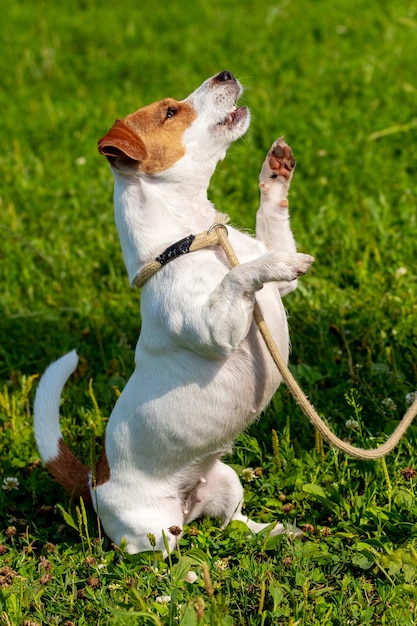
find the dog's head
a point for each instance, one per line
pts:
(198, 129)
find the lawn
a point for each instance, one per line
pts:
(339, 81)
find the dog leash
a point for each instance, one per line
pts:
(184, 246)
(218, 235)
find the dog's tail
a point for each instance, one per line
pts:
(60, 461)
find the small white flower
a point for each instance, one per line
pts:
(401, 271)
(389, 404)
(222, 564)
(9, 483)
(411, 397)
(191, 577)
(163, 599)
(248, 474)
(352, 424)
(341, 29)
(81, 160)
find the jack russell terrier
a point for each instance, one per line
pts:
(202, 372)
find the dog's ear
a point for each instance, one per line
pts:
(122, 144)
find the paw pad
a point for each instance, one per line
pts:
(281, 160)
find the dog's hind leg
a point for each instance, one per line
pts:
(142, 523)
(220, 494)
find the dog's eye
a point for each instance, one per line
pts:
(171, 111)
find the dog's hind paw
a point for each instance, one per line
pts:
(289, 529)
(278, 529)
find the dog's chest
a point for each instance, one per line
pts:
(173, 372)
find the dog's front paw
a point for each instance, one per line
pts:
(281, 159)
(302, 263)
(298, 264)
(279, 266)
(276, 174)
(279, 162)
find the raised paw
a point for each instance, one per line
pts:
(276, 174)
(282, 266)
(281, 159)
(303, 263)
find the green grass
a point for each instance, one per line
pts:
(338, 80)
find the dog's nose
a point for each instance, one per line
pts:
(225, 76)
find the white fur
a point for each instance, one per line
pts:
(46, 405)
(202, 373)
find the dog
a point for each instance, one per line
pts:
(202, 373)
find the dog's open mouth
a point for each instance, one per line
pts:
(234, 116)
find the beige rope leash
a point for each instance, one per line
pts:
(217, 234)
(188, 244)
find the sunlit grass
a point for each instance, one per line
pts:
(338, 80)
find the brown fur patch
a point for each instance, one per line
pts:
(102, 468)
(151, 137)
(121, 141)
(70, 472)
